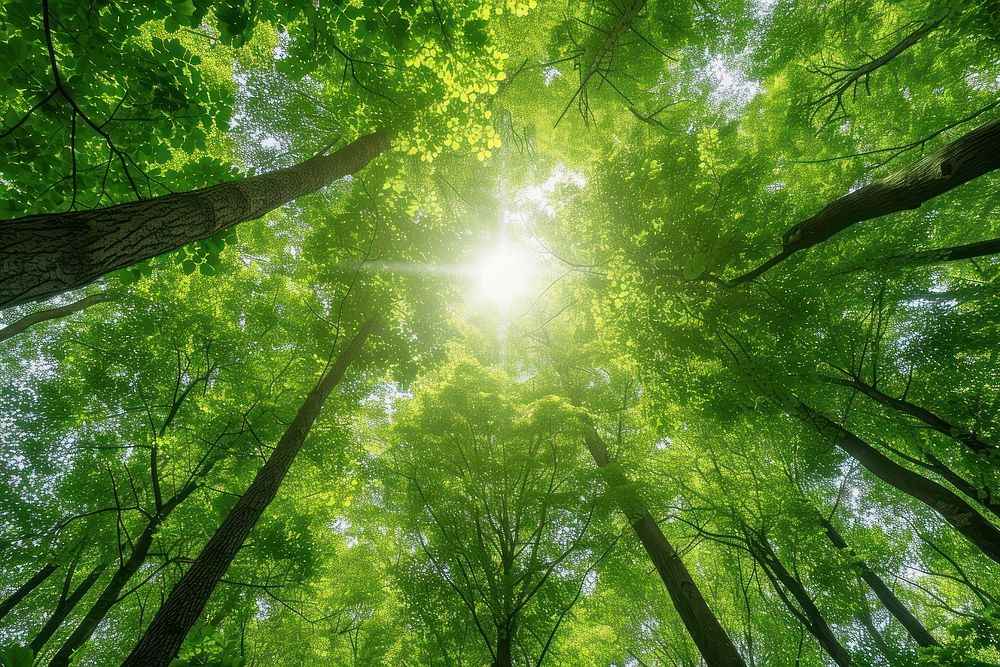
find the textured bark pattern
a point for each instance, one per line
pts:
(26, 588)
(184, 605)
(949, 505)
(964, 159)
(708, 634)
(64, 608)
(51, 314)
(885, 595)
(504, 656)
(45, 255)
(761, 550)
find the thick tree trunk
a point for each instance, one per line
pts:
(504, 656)
(702, 624)
(51, 314)
(162, 639)
(964, 159)
(962, 435)
(25, 589)
(949, 505)
(885, 595)
(66, 605)
(48, 254)
(761, 549)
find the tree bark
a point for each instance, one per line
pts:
(762, 550)
(48, 254)
(964, 159)
(504, 657)
(951, 254)
(701, 623)
(163, 638)
(964, 436)
(885, 595)
(63, 609)
(25, 589)
(963, 518)
(982, 494)
(31, 320)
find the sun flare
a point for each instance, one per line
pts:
(503, 275)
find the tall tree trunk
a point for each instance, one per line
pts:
(163, 638)
(48, 254)
(51, 314)
(762, 550)
(25, 589)
(964, 159)
(126, 570)
(702, 624)
(885, 595)
(504, 656)
(949, 505)
(63, 609)
(962, 435)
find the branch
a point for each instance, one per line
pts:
(844, 79)
(968, 157)
(60, 87)
(28, 321)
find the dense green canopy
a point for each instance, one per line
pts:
(500, 332)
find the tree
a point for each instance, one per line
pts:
(511, 541)
(688, 349)
(166, 632)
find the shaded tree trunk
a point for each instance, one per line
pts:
(65, 606)
(964, 159)
(981, 494)
(48, 254)
(941, 255)
(702, 624)
(504, 656)
(51, 314)
(764, 553)
(963, 518)
(885, 595)
(163, 638)
(126, 570)
(25, 589)
(962, 435)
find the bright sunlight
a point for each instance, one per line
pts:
(504, 274)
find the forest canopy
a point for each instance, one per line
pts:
(500, 332)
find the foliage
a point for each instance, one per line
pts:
(450, 505)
